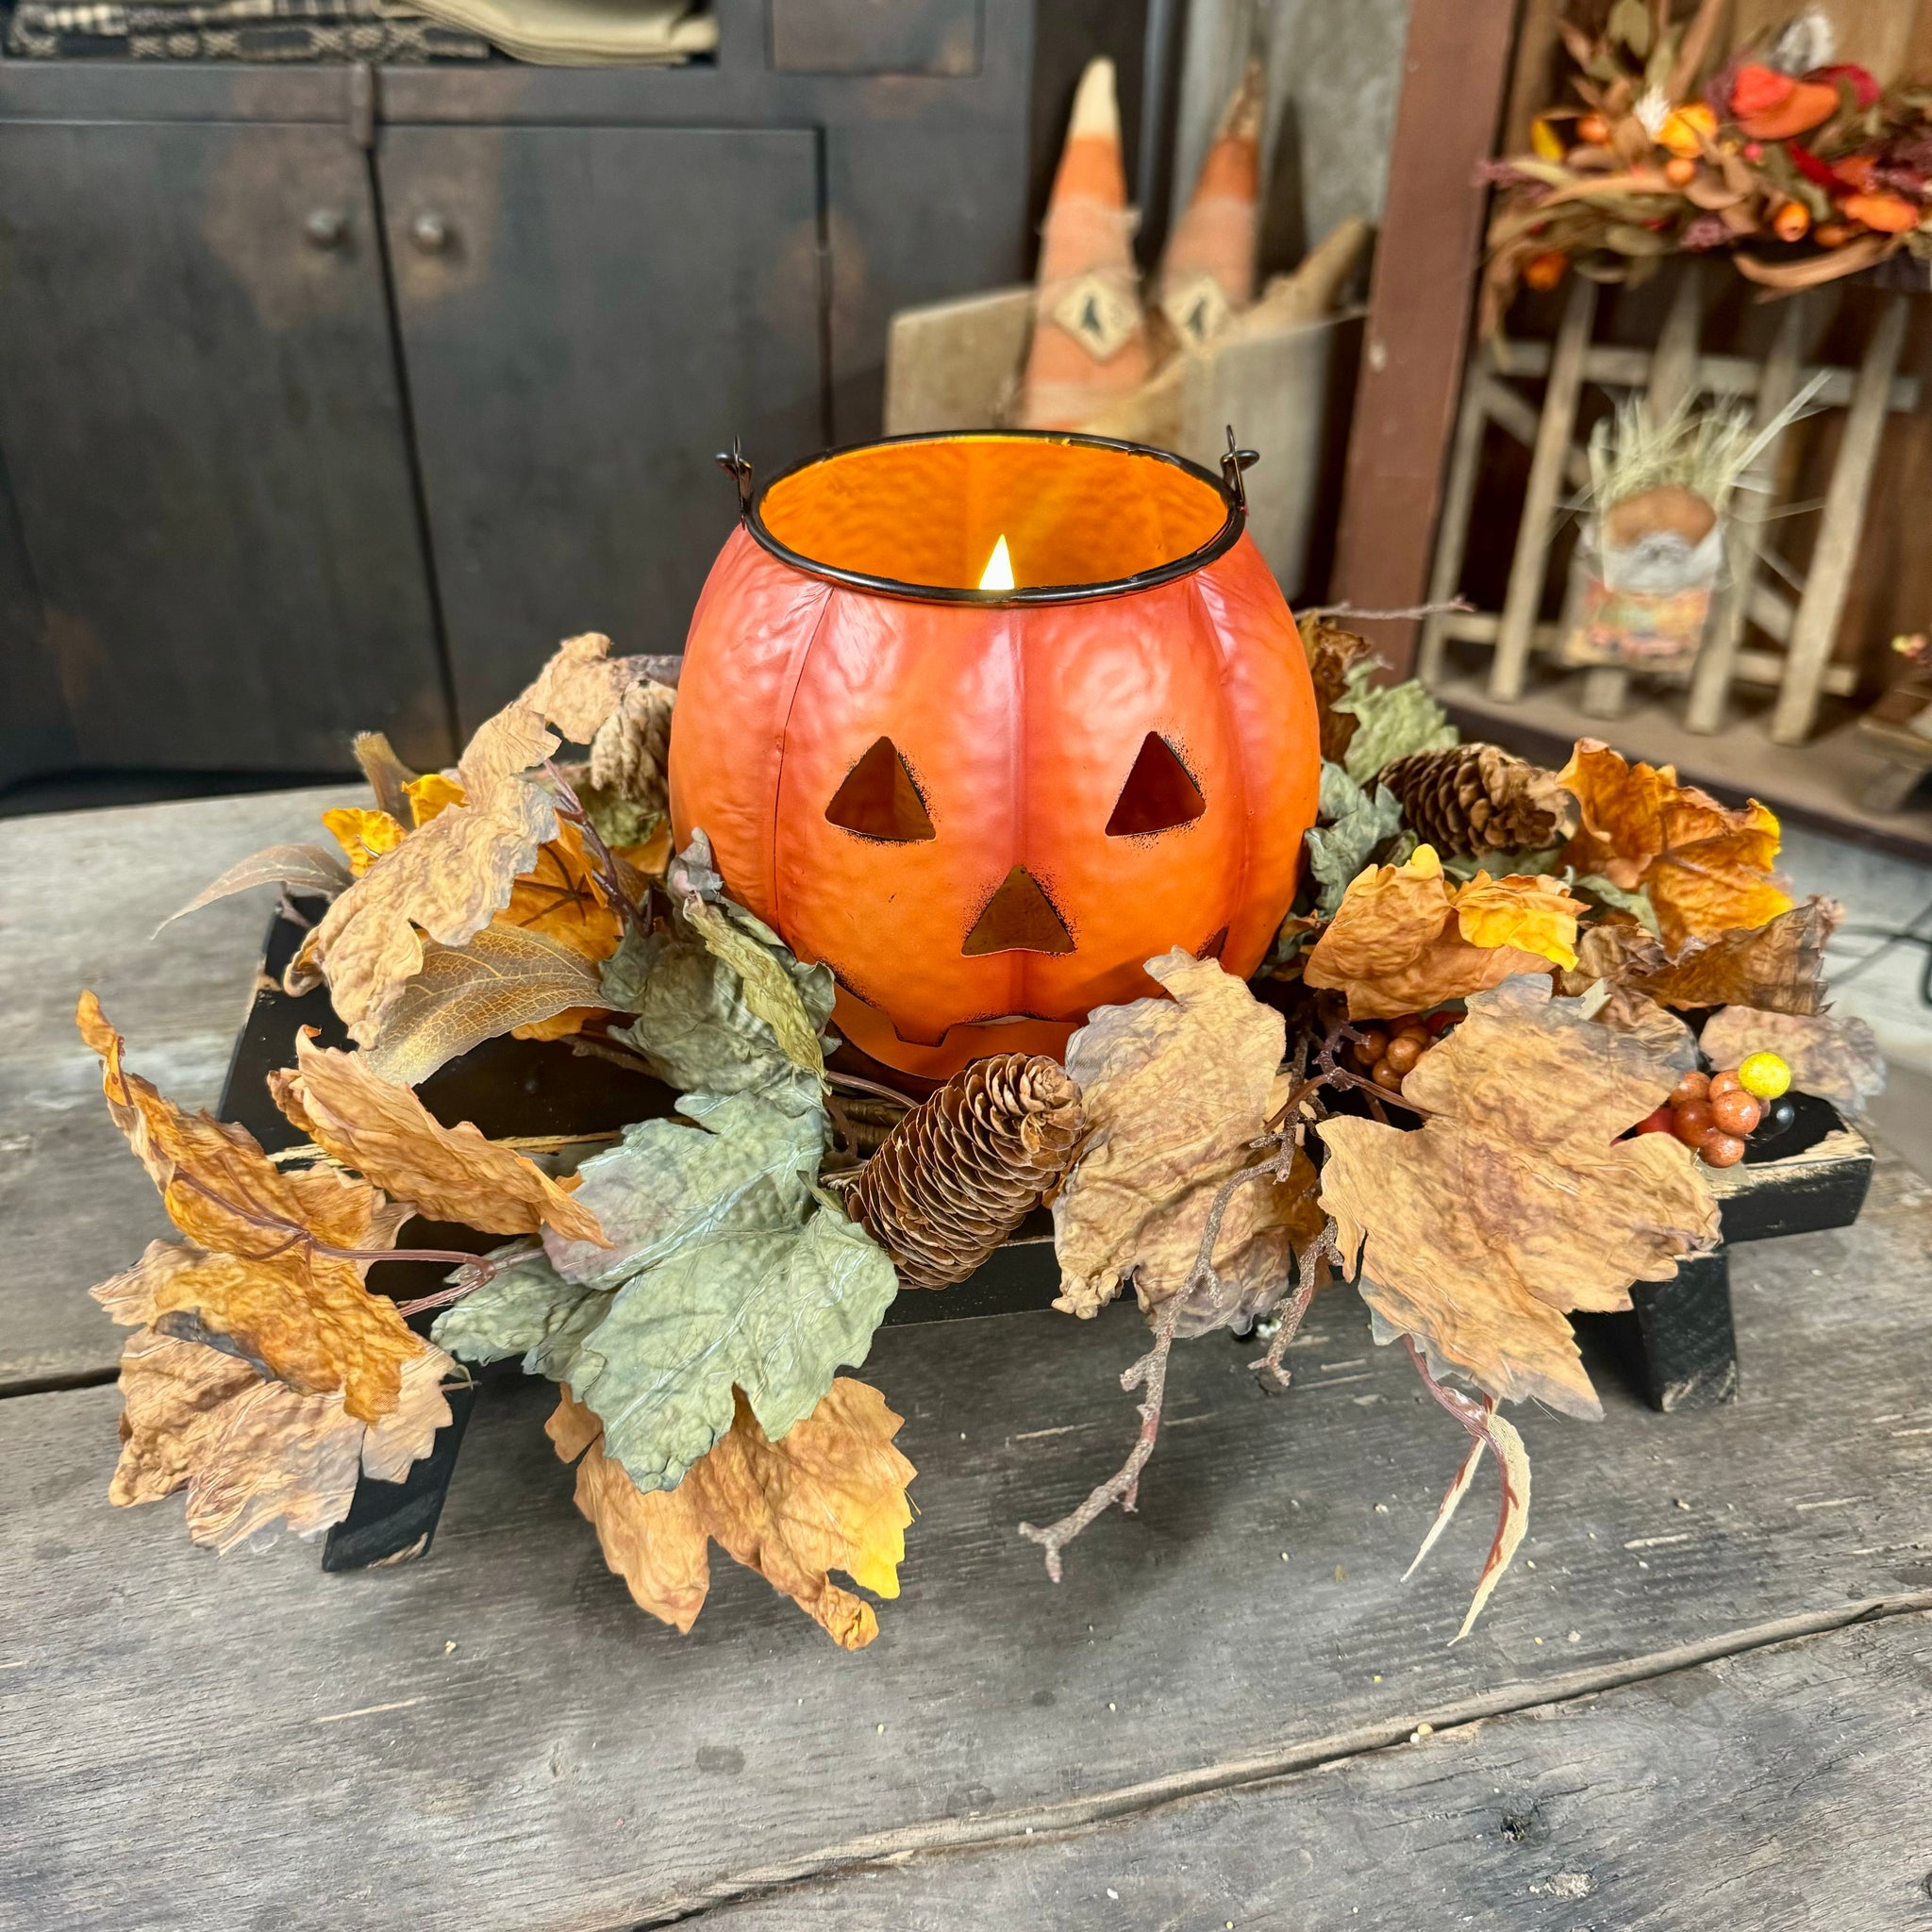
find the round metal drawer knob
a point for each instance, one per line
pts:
(430, 232)
(327, 227)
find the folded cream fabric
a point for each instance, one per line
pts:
(586, 33)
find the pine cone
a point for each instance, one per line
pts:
(1477, 798)
(627, 754)
(964, 1168)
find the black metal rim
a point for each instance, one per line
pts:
(1219, 544)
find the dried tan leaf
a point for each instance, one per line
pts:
(1488, 1430)
(388, 777)
(1515, 1200)
(581, 685)
(1836, 1059)
(449, 878)
(389, 1137)
(270, 1262)
(1332, 654)
(1706, 868)
(831, 1494)
(1778, 966)
(1406, 937)
(503, 979)
(252, 1452)
(310, 870)
(1175, 1091)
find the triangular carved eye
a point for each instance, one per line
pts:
(879, 799)
(1158, 793)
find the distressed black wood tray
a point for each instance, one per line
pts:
(1676, 1343)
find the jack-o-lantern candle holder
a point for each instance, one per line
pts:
(986, 807)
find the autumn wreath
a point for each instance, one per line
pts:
(1460, 1081)
(1798, 168)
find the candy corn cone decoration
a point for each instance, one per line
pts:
(1090, 339)
(1208, 273)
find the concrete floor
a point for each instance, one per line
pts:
(1882, 893)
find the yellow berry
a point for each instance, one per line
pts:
(1764, 1074)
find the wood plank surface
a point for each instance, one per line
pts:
(244, 1742)
(83, 894)
(1780, 1791)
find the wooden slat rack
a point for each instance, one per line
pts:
(1804, 623)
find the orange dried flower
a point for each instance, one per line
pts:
(1594, 130)
(1791, 221)
(1679, 170)
(1545, 271)
(1890, 213)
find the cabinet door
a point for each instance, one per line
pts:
(201, 418)
(589, 315)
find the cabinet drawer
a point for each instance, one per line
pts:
(936, 37)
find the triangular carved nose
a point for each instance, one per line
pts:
(1019, 918)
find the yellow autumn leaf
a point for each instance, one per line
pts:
(363, 835)
(433, 792)
(1405, 939)
(1706, 867)
(831, 1494)
(1534, 915)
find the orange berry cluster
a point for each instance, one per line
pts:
(1710, 1114)
(1388, 1054)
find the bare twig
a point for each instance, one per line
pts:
(1321, 1249)
(594, 1047)
(1445, 608)
(877, 1089)
(569, 807)
(1124, 1485)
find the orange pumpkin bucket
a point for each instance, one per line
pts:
(985, 809)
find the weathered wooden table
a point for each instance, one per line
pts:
(1701, 1697)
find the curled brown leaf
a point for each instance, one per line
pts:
(389, 1137)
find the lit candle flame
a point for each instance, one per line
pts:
(998, 574)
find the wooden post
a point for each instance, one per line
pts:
(1672, 383)
(1710, 683)
(1816, 629)
(1455, 65)
(1457, 497)
(1546, 466)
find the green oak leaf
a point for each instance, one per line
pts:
(703, 1007)
(1358, 822)
(530, 1310)
(1389, 724)
(728, 1268)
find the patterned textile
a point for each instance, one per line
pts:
(255, 30)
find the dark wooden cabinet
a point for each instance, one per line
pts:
(589, 315)
(333, 398)
(205, 437)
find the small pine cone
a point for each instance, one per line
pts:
(1477, 799)
(628, 752)
(964, 1168)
